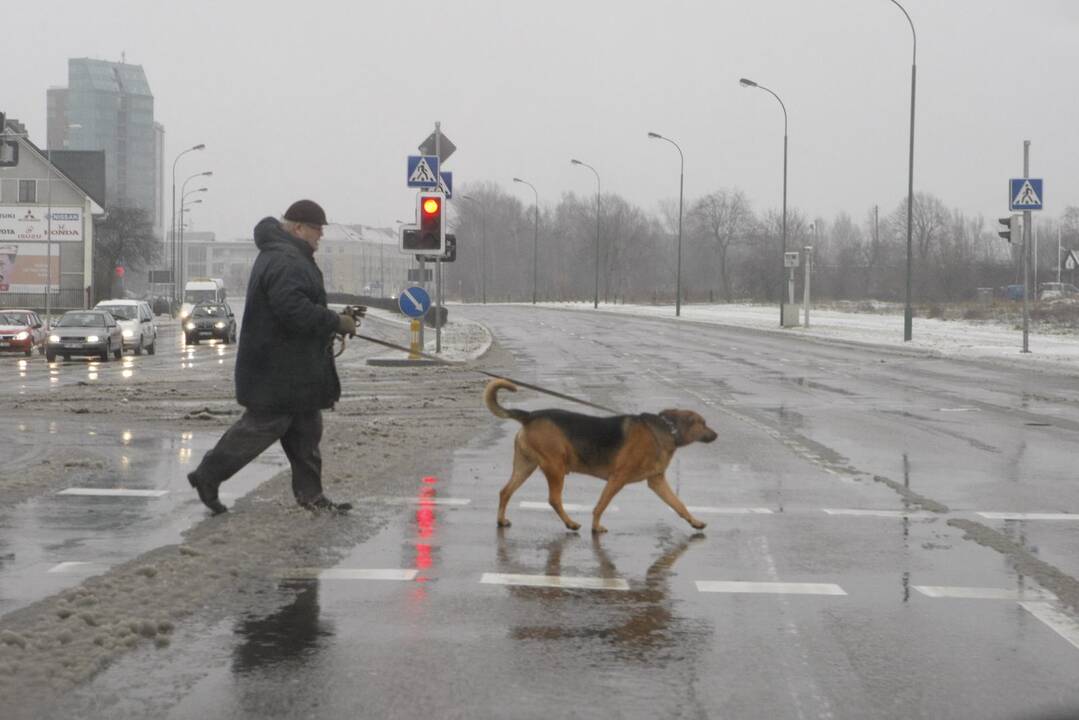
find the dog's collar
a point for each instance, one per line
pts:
(671, 427)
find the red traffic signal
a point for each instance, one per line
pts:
(119, 271)
(430, 236)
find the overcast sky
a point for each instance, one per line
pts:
(326, 99)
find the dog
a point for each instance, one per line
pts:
(620, 449)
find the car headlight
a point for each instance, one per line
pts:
(22, 336)
(128, 333)
(54, 338)
(190, 326)
(219, 325)
(92, 338)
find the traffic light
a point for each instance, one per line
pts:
(431, 233)
(119, 271)
(1012, 224)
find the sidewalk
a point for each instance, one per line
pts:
(935, 338)
(462, 340)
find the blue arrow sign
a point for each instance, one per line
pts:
(422, 171)
(1025, 194)
(414, 302)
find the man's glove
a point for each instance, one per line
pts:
(346, 325)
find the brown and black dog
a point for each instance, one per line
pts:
(621, 449)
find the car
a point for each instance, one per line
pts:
(137, 324)
(1056, 290)
(209, 321)
(21, 331)
(85, 332)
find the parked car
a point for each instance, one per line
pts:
(85, 332)
(1055, 290)
(137, 324)
(210, 321)
(1012, 292)
(21, 331)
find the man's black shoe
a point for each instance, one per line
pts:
(207, 494)
(321, 503)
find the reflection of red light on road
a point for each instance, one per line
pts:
(430, 479)
(423, 556)
(425, 519)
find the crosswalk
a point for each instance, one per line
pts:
(1038, 603)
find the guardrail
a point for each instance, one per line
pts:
(59, 300)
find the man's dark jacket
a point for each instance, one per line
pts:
(285, 359)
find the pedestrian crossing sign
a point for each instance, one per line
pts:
(1070, 261)
(1025, 194)
(422, 171)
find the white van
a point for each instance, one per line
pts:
(201, 290)
(136, 321)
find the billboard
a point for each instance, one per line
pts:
(24, 267)
(22, 223)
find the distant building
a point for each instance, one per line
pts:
(108, 106)
(355, 259)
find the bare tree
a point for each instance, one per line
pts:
(721, 220)
(123, 238)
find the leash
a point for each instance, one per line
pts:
(520, 383)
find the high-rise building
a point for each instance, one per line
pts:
(108, 106)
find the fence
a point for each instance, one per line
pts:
(59, 300)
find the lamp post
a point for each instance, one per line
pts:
(48, 234)
(184, 208)
(749, 83)
(535, 235)
(908, 311)
(175, 285)
(483, 246)
(595, 299)
(681, 185)
(180, 247)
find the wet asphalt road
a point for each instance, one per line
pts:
(829, 582)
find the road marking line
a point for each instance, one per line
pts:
(351, 574)
(982, 593)
(113, 492)
(568, 507)
(704, 509)
(555, 581)
(778, 588)
(880, 513)
(1028, 516)
(417, 501)
(1063, 625)
(70, 566)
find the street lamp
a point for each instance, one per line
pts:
(175, 288)
(483, 247)
(908, 312)
(681, 185)
(749, 83)
(595, 299)
(180, 245)
(535, 235)
(184, 207)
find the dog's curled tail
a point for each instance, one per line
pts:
(490, 399)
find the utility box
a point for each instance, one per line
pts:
(791, 315)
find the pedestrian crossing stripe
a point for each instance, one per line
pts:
(113, 492)
(983, 593)
(555, 581)
(774, 588)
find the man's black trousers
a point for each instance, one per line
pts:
(299, 433)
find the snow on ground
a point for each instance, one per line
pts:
(943, 338)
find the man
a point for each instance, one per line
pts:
(285, 373)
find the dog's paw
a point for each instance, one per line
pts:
(598, 529)
(575, 526)
(697, 524)
(503, 522)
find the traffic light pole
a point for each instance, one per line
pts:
(1026, 254)
(438, 263)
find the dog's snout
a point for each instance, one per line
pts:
(709, 436)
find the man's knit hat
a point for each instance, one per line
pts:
(306, 211)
